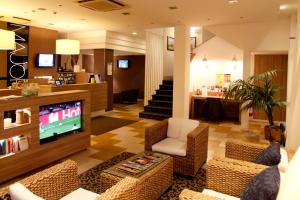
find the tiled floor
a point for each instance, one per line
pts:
(131, 137)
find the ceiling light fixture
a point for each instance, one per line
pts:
(126, 13)
(282, 7)
(67, 46)
(134, 33)
(7, 40)
(231, 2)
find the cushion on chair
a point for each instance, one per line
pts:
(270, 156)
(18, 191)
(80, 194)
(219, 195)
(170, 146)
(284, 161)
(264, 186)
(178, 128)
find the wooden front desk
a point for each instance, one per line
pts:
(214, 108)
(98, 92)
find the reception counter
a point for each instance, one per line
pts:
(214, 108)
(98, 92)
(7, 92)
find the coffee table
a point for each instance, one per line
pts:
(152, 183)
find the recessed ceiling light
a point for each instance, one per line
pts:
(82, 19)
(282, 7)
(134, 33)
(173, 7)
(126, 13)
(233, 1)
(42, 9)
(54, 12)
(51, 24)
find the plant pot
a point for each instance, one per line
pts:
(273, 134)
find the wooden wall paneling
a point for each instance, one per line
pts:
(131, 78)
(264, 63)
(41, 41)
(88, 63)
(3, 61)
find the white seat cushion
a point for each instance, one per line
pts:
(219, 195)
(178, 128)
(18, 191)
(80, 194)
(284, 161)
(170, 146)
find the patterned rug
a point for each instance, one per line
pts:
(90, 179)
(103, 124)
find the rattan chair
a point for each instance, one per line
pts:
(196, 152)
(61, 179)
(226, 176)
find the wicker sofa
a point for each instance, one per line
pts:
(61, 179)
(196, 152)
(226, 176)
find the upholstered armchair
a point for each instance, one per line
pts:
(183, 139)
(225, 179)
(61, 180)
(249, 152)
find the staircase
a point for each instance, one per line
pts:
(160, 106)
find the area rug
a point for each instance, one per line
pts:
(90, 179)
(103, 124)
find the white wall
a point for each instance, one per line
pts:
(168, 55)
(219, 54)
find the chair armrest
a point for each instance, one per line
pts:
(52, 183)
(123, 190)
(243, 150)
(155, 133)
(192, 195)
(197, 142)
(230, 176)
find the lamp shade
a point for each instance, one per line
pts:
(67, 47)
(289, 189)
(7, 40)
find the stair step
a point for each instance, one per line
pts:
(161, 103)
(164, 92)
(167, 82)
(166, 87)
(152, 115)
(158, 109)
(162, 97)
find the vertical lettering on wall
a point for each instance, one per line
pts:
(17, 60)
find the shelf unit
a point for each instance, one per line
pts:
(38, 154)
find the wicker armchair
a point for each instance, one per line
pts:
(61, 179)
(196, 152)
(227, 176)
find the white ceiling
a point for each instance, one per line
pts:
(145, 14)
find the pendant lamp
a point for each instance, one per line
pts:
(7, 40)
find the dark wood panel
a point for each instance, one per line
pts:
(270, 62)
(41, 41)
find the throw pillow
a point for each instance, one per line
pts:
(18, 191)
(270, 156)
(264, 186)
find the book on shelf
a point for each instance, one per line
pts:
(14, 145)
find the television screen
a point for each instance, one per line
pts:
(59, 119)
(123, 64)
(45, 60)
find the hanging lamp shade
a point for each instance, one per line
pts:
(7, 40)
(67, 47)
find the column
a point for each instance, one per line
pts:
(103, 60)
(181, 72)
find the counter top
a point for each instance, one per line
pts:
(70, 85)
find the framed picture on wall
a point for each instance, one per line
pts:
(170, 43)
(171, 40)
(193, 42)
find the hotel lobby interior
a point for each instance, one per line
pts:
(146, 100)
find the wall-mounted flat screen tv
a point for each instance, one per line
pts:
(45, 60)
(59, 119)
(123, 64)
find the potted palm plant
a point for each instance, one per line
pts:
(258, 92)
